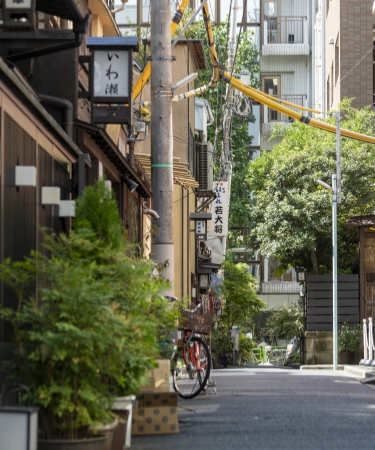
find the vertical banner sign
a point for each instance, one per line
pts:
(219, 210)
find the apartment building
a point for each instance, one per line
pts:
(345, 31)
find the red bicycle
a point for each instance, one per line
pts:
(191, 363)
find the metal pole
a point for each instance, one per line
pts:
(161, 136)
(323, 80)
(336, 199)
(334, 267)
(338, 157)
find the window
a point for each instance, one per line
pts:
(271, 86)
(270, 17)
(253, 11)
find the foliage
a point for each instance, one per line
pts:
(246, 344)
(221, 341)
(88, 321)
(349, 337)
(239, 293)
(286, 322)
(292, 213)
(247, 58)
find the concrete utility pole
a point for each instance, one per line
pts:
(226, 153)
(161, 135)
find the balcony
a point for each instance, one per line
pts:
(272, 117)
(285, 36)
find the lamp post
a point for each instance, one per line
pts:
(336, 198)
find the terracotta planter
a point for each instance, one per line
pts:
(96, 443)
(122, 406)
(106, 430)
(347, 357)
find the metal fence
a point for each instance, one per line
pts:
(285, 30)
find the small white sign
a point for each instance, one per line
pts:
(219, 210)
(200, 227)
(111, 73)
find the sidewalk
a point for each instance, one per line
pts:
(358, 371)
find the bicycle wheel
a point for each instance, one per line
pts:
(277, 357)
(188, 381)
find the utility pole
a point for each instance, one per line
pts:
(161, 136)
(226, 153)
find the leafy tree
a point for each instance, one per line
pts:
(291, 213)
(247, 58)
(286, 322)
(239, 293)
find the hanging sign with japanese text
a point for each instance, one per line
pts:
(219, 210)
(111, 74)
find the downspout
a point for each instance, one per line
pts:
(68, 111)
(80, 29)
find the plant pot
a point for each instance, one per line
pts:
(223, 360)
(347, 357)
(95, 443)
(122, 406)
(106, 430)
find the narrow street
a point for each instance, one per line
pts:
(274, 408)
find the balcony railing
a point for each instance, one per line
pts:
(285, 30)
(271, 116)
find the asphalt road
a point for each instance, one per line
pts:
(270, 408)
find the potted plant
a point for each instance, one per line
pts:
(86, 324)
(349, 338)
(246, 344)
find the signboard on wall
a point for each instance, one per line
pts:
(219, 210)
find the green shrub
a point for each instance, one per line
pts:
(349, 337)
(88, 321)
(286, 322)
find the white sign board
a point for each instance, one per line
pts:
(200, 227)
(219, 210)
(111, 73)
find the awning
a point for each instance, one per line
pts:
(361, 221)
(107, 146)
(181, 173)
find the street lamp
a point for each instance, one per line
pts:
(333, 190)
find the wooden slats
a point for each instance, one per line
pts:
(319, 296)
(181, 172)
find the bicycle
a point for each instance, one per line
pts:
(191, 363)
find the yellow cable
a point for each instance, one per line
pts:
(293, 105)
(145, 75)
(293, 114)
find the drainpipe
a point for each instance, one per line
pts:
(131, 148)
(68, 111)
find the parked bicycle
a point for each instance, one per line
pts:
(191, 363)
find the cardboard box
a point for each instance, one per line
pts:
(159, 379)
(155, 414)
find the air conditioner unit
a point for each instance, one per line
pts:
(202, 166)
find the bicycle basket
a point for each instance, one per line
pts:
(199, 321)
